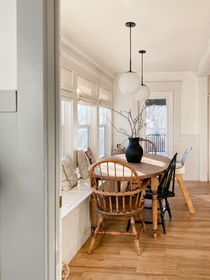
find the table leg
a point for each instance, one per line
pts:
(154, 186)
(185, 193)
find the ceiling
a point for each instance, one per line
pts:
(175, 33)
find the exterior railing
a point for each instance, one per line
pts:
(159, 140)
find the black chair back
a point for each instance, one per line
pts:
(168, 179)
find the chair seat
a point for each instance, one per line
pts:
(178, 164)
(180, 170)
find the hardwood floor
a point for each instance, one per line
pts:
(183, 253)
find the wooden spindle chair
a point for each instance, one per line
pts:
(120, 149)
(148, 146)
(118, 193)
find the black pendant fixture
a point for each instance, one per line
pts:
(143, 93)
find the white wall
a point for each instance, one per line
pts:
(189, 96)
(8, 45)
(23, 181)
(188, 109)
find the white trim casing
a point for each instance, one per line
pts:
(203, 127)
(53, 139)
(169, 97)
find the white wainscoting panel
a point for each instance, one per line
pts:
(76, 223)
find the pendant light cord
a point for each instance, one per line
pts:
(142, 83)
(130, 25)
(130, 50)
(142, 52)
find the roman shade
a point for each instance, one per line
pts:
(86, 90)
(105, 97)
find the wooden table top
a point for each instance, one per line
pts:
(149, 166)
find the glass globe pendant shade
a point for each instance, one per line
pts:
(129, 83)
(143, 93)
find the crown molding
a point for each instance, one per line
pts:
(84, 55)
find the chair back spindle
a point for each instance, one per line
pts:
(148, 146)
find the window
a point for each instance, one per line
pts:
(66, 124)
(84, 116)
(156, 117)
(84, 113)
(104, 114)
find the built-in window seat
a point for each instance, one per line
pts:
(76, 225)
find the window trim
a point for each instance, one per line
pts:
(68, 126)
(105, 140)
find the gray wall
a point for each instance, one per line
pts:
(23, 186)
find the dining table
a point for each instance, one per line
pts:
(150, 167)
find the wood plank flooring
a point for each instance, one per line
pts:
(183, 253)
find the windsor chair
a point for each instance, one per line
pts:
(118, 193)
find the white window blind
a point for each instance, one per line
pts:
(86, 90)
(66, 79)
(105, 97)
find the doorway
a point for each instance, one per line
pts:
(159, 119)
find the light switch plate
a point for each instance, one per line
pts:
(8, 101)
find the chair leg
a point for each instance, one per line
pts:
(93, 240)
(136, 240)
(162, 217)
(128, 225)
(141, 217)
(185, 193)
(168, 208)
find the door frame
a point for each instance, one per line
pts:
(52, 139)
(169, 96)
(175, 87)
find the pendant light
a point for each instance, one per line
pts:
(143, 93)
(129, 81)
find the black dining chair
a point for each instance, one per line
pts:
(165, 191)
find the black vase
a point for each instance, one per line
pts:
(134, 151)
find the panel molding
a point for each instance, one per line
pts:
(8, 101)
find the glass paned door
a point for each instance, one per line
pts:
(156, 130)
(159, 116)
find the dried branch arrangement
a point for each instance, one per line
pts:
(136, 123)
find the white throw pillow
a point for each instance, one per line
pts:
(83, 163)
(69, 177)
